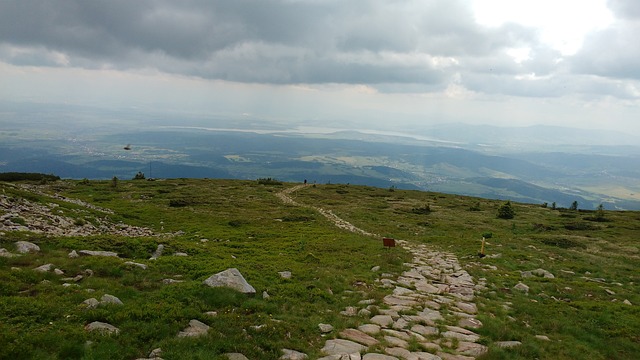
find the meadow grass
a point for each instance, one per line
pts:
(242, 224)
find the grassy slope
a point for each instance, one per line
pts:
(248, 228)
(585, 321)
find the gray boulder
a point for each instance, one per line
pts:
(195, 328)
(157, 253)
(293, 355)
(101, 327)
(231, 278)
(521, 287)
(91, 303)
(44, 268)
(235, 356)
(107, 299)
(544, 273)
(24, 247)
(97, 253)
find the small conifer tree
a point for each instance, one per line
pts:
(506, 211)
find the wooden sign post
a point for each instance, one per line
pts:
(389, 242)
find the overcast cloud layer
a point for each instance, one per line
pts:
(417, 47)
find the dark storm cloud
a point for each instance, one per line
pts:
(421, 44)
(253, 41)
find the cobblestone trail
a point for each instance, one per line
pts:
(432, 304)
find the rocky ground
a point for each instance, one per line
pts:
(23, 215)
(430, 312)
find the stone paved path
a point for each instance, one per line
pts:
(430, 313)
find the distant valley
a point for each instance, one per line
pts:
(532, 165)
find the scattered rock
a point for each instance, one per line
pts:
(156, 254)
(521, 287)
(526, 274)
(543, 337)
(73, 254)
(265, 295)
(155, 353)
(97, 253)
(91, 303)
(6, 254)
(610, 292)
(544, 273)
(180, 254)
(230, 278)
(25, 247)
(141, 266)
(375, 268)
(101, 327)
(171, 281)
(44, 268)
(350, 311)
(235, 356)
(507, 344)
(195, 328)
(107, 299)
(292, 355)
(627, 302)
(285, 274)
(325, 328)
(211, 313)
(58, 271)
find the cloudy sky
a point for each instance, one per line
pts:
(375, 64)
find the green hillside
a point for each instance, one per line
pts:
(589, 309)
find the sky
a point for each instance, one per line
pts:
(378, 64)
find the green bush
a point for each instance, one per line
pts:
(506, 211)
(268, 181)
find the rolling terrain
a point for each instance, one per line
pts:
(583, 303)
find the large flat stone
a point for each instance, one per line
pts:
(382, 320)
(195, 328)
(471, 349)
(341, 346)
(373, 356)
(97, 253)
(24, 247)
(358, 336)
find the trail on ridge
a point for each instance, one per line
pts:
(436, 288)
(285, 196)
